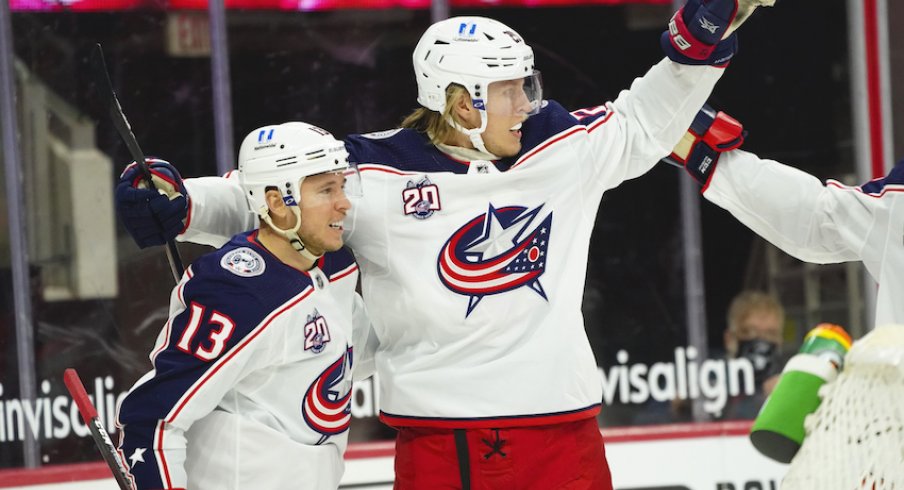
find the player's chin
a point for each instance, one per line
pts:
(515, 143)
(515, 149)
(510, 149)
(334, 244)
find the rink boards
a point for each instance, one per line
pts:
(710, 456)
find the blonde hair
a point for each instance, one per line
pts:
(433, 123)
(748, 302)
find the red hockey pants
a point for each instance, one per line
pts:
(567, 456)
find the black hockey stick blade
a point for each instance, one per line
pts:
(108, 96)
(98, 431)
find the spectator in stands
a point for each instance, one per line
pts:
(755, 324)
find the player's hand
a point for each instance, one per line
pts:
(701, 32)
(152, 216)
(711, 134)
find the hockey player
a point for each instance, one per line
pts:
(473, 237)
(252, 374)
(814, 222)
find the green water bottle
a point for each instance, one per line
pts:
(778, 430)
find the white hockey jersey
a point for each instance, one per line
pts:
(474, 271)
(252, 376)
(821, 223)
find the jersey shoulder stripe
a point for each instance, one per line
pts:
(562, 125)
(893, 181)
(553, 124)
(553, 119)
(234, 351)
(385, 169)
(339, 264)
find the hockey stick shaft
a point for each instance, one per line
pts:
(106, 93)
(98, 431)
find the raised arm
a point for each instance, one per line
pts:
(645, 122)
(815, 222)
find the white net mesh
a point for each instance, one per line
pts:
(855, 439)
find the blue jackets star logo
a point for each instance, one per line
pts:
(326, 406)
(496, 252)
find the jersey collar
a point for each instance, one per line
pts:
(466, 155)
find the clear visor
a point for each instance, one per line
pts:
(353, 187)
(327, 188)
(329, 192)
(521, 96)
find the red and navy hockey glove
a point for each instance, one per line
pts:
(697, 33)
(711, 134)
(152, 216)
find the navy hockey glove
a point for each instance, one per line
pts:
(711, 134)
(702, 31)
(152, 216)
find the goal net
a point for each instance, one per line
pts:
(855, 439)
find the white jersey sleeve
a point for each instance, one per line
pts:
(217, 210)
(794, 210)
(820, 223)
(645, 122)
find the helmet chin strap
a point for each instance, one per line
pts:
(292, 235)
(473, 134)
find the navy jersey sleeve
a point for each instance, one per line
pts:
(554, 120)
(877, 186)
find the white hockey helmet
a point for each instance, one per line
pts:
(282, 156)
(473, 52)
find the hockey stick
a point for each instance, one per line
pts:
(105, 92)
(98, 432)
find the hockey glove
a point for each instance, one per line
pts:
(702, 31)
(711, 134)
(152, 216)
